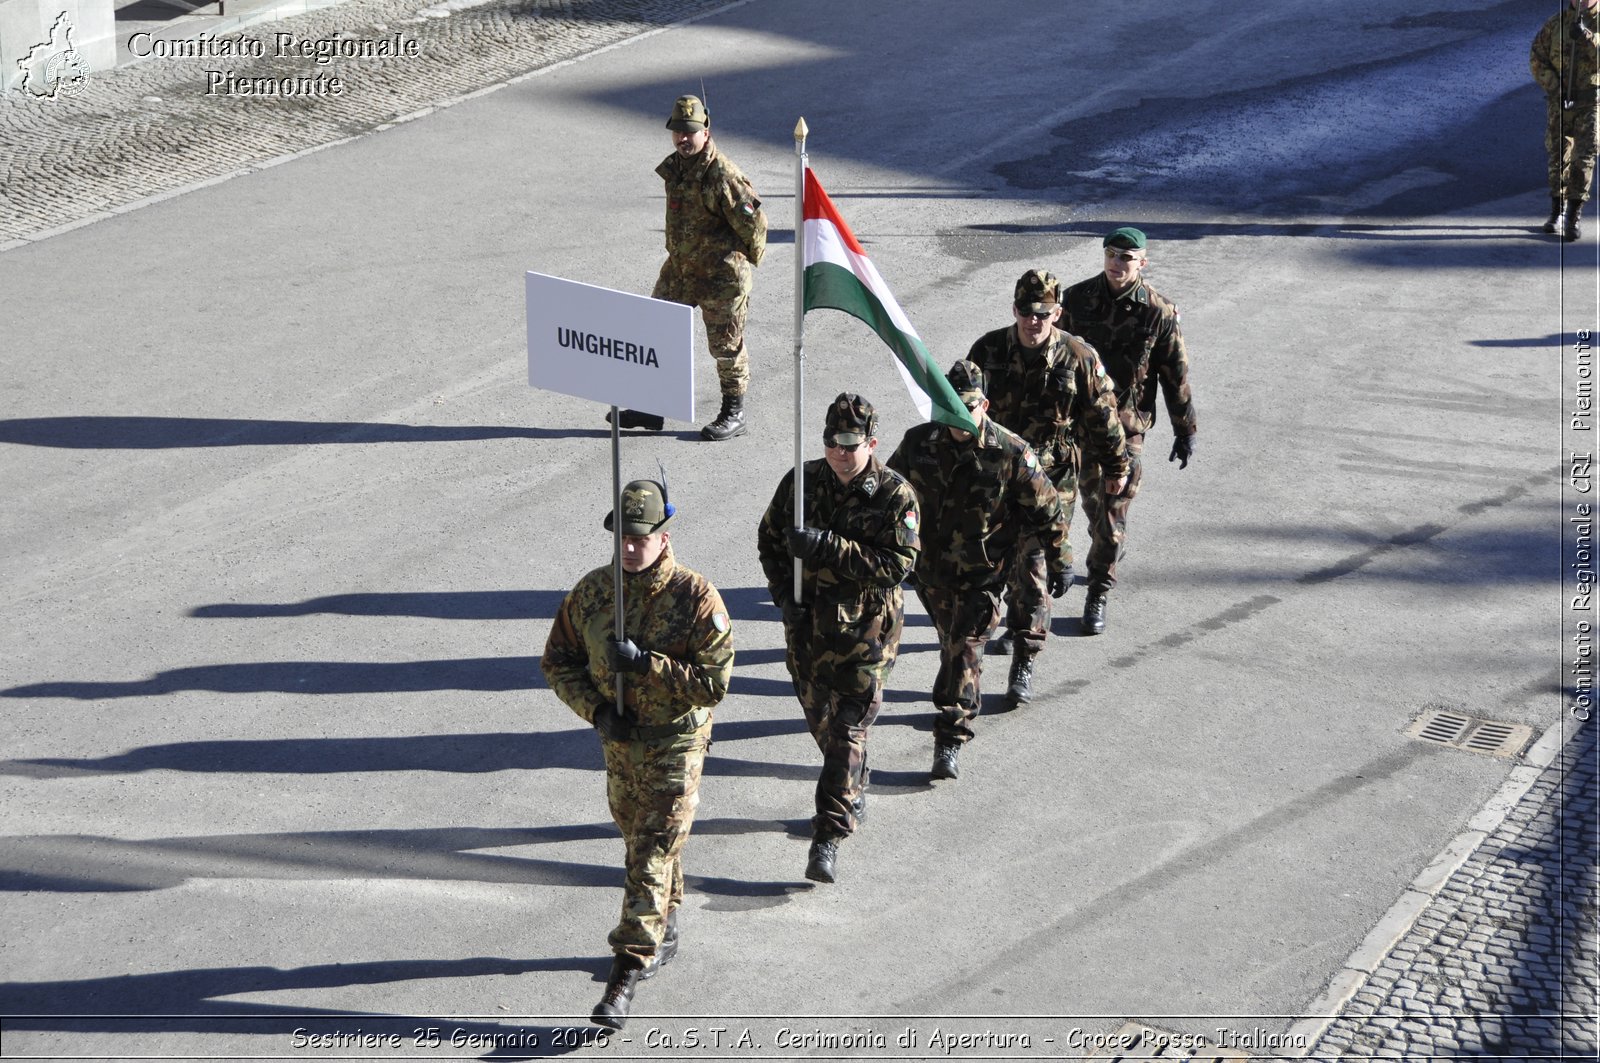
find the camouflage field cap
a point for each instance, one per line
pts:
(850, 420)
(1128, 238)
(1037, 292)
(645, 508)
(967, 380)
(689, 115)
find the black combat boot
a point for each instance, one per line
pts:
(1558, 216)
(612, 1011)
(1020, 692)
(666, 950)
(729, 423)
(820, 861)
(944, 760)
(635, 419)
(1001, 645)
(1574, 212)
(1094, 613)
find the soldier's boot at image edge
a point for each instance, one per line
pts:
(822, 857)
(635, 419)
(612, 1011)
(1558, 216)
(1574, 211)
(729, 422)
(1094, 613)
(944, 760)
(1020, 689)
(667, 949)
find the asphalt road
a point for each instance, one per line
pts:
(286, 528)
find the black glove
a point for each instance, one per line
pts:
(624, 656)
(611, 724)
(806, 543)
(795, 613)
(1060, 581)
(1182, 450)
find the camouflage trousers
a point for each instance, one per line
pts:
(963, 618)
(1028, 590)
(654, 789)
(724, 302)
(1571, 138)
(1108, 518)
(838, 676)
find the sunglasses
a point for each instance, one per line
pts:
(1037, 315)
(833, 444)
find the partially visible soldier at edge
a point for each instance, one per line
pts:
(1135, 330)
(716, 235)
(859, 541)
(1049, 388)
(1565, 60)
(979, 495)
(674, 664)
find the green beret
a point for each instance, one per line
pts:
(1128, 238)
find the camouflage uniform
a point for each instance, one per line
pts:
(1052, 396)
(842, 646)
(653, 780)
(978, 497)
(716, 233)
(1140, 344)
(1564, 63)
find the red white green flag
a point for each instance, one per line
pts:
(839, 276)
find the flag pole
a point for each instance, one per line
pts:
(800, 132)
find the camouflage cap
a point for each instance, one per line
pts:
(1037, 292)
(850, 420)
(645, 508)
(1128, 238)
(967, 380)
(689, 115)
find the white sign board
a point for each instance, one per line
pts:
(612, 347)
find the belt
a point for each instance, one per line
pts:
(688, 723)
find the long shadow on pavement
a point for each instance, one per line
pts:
(188, 1002)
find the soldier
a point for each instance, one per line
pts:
(1566, 63)
(979, 495)
(1049, 388)
(674, 666)
(716, 234)
(1135, 330)
(858, 543)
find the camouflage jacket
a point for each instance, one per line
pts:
(1139, 342)
(978, 496)
(872, 546)
(1564, 59)
(714, 217)
(1051, 396)
(857, 609)
(674, 613)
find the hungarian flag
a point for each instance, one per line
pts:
(840, 276)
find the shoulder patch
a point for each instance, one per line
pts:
(910, 519)
(720, 621)
(1029, 460)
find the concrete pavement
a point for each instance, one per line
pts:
(292, 528)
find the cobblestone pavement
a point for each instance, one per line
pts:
(151, 128)
(1502, 963)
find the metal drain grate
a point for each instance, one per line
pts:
(1490, 737)
(1142, 1043)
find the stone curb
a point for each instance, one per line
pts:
(1322, 1012)
(440, 103)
